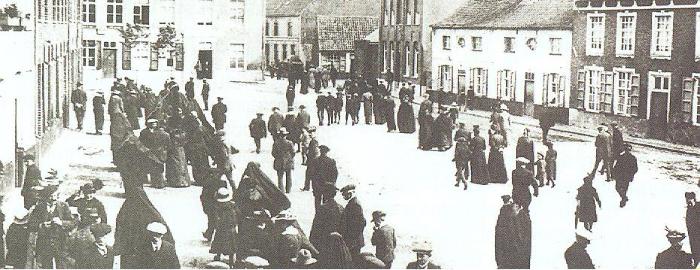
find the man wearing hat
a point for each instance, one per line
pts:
(258, 130)
(274, 123)
(321, 107)
(525, 147)
(52, 220)
(461, 160)
(576, 255)
(221, 155)
(674, 257)
(322, 173)
(623, 172)
(603, 151)
(304, 260)
(97, 255)
(383, 238)
(310, 145)
(132, 108)
(218, 113)
(283, 152)
(156, 252)
(205, 94)
(32, 178)
(85, 199)
(82, 237)
(79, 99)
(354, 222)
(522, 180)
(692, 222)
(17, 240)
(617, 141)
(424, 252)
(328, 219)
(504, 244)
(157, 142)
(303, 118)
(225, 240)
(189, 89)
(98, 109)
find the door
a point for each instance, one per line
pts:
(529, 94)
(658, 115)
(109, 63)
(205, 65)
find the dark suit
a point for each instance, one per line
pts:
(672, 258)
(328, 219)
(32, 176)
(98, 108)
(577, 257)
(79, 99)
(430, 265)
(603, 144)
(205, 95)
(157, 142)
(323, 174)
(189, 89)
(522, 180)
(623, 173)
(283, 152)
(353, 225)
(274, 124)
(82, 204)
(51, 239)
(163, 258)
(91, 258)
(218, 115)
(385, 241)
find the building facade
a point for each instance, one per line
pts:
(405, 37)
(337, 37)
(42, 69)
(219, 39)
(637, 66)
(506, 58)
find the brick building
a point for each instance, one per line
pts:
(337, 36)
(636, 64)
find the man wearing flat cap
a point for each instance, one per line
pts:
(522, 180)
(97, 255)
(322, 172)
(274, 123)
(156, 252)
(623, 172)
(603, 152)
(85, 199)
(51, 220)
(674, 257)
(221, 154)
(79, 99)
(283, 154)
(258, 130)
(576, 255)
(157, 141)
(218, 113)
(353, 222)
(32, 178)
(383, 238)
(424, 252)
(303, 118)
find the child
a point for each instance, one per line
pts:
(551, 159)
(226, 237)
(541, 173)
(17, 240)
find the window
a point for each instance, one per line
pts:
(506, 85)
(417, 18)
(476, 43)
(445, 42)
(445, 80)
(553, 94)
(292, 49)
(410, 7)
(387, 64)
(141, 15)
(623, 88)
(237, 56)
(275, 29)
(407, 60)
(114, 11)
(284, 52)
(593, 88)
(290, 30)
(154, 57)
(691, 100)
(88, 11)
(387, 16)
(416, 58)
(399, 16)
(126, 57)
(508, 44)
(391, 56)
(555, 46)
(626, 28)
(661, 35)
(275, 50)
(267, 28)
(237, 11)
(393, 13)
(334, 58)
(478, 81)
(89, 51)
(595, 34)
(658, 82)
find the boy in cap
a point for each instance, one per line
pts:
(258, 131)
(32, 178)
(156, 252)
(85, 199)
(98, 255)
(576, 255)
(424, 252)
(674, 257)
(18, 240)
(383, 238)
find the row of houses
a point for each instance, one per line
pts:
(42, 65)
(633, 62)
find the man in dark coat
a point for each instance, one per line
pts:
(674, 257)
(156, 252)
(462, 131)
(323, 174)
(218, 114)
(321, 107)
(157, 142)
(618, 142)
(98, 255)
(383, 238)
(623, 172)
(354, 221)
(576, 255)
(32, 178)
(283, 152)
(603, 151)
(51, 220)
(132, 107)
(98, 109)
(461, 160)
(258, 131)
(692, 222)
(477, 160)
(85, 199)
(338, 107)
(547, 122)
(290, 95)
(79, 99)
(526, 148)
(504, 240)
(18, 240)
(443, 131)
(424, 252)
(522, 180)
(328, 219)
(274, 123)
(189, 88)
(205, 94)
(330, 109)
(303, 119)
(221, 155)
(149, 101)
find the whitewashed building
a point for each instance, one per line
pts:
(517, 52)
(220, 39)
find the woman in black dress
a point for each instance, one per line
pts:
(587, 199)
(405, 117)
(497, 168)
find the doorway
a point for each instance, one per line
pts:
(109, 65)
(529, 104)
(658, 115)
(204, 65)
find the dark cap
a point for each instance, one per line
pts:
(100, 229)
(377, 215)
(347, 188)
(88, 188)
(29, 157)
(690, 195)
(302, 107)
(219, 98)
(324, 149)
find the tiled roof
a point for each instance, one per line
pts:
(286, 7)
(350, 8)
(337, 33)
(512, 14)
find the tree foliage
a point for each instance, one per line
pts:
(131, 33)
(11, 10)
(167, 37)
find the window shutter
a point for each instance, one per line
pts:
(581, 89)
(634, 94)
(545, 89)
(154, 57)
(126, 57)
(561, 95)
(179, 56)
(607, 92)
(485, 82)
(98, 55)
(499, 78)
(471, 80)
(688, 87)
(512, 86)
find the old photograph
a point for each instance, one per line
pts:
(349, 134)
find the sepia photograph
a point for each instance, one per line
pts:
(350, 134)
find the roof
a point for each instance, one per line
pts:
(349, 8)
(512, 14)
(286, 7)
(373, 37)
(339, 33)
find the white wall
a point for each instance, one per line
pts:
(493, 57)
(283, 37)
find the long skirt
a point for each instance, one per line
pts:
(176, 172)
(497, 168)
(406, 119)
(586, 212)
(368, 111)
(379, 115)
(480, 172)
(425, 134)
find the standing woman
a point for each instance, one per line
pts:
(496, 165)
(587, 199)
(176, 172)
(338, 256)
(480, 172)
(390, 117)
(406, 118)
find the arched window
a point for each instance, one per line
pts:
(416, 58)
(276, 29)
(407, 60)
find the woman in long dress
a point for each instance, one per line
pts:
(587, 199)
(496, 165)
(480, 172)
(405, 117)
(176, 172)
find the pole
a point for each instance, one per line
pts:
(18, 169)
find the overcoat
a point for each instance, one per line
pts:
(353, 224)
(283, 152)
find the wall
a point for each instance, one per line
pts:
(283, 37)
(366, 62)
